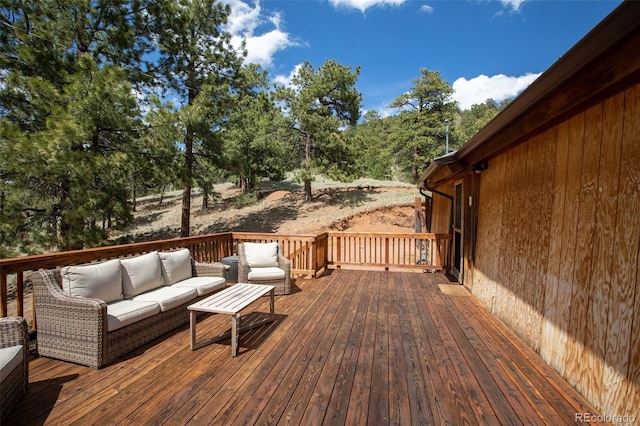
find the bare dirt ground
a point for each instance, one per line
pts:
(363, 205)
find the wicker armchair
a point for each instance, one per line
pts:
(264, 263)
(13, 383)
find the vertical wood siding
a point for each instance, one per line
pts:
(557, 249)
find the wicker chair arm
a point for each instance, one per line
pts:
(217, 269)
(243, 266)
(13, 332)
(283, 262)
(69, 328)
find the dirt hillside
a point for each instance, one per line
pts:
(364, 205)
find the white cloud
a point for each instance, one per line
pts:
(243, 24)
(285, 80)
(498, 87)
(514, 4)
(426, 8)
(363, 5)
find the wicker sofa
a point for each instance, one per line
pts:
(14, 362)
(264, 263)
(93, 314)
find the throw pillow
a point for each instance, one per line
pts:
(176, 265)
(260, 255)
(141, 273)
(100, 281)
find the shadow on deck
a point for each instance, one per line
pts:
(352, 347)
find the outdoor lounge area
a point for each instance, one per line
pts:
(347, 347)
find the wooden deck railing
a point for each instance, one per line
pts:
(309, 254)
(407, 251)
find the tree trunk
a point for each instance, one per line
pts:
(66, 241)
(134, 194)
(205, 196)
(308, 196)
(186, 193)
(244, 187)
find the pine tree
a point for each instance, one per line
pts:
(69, 117)
(320, 104)
(199, 66)
(418, 135)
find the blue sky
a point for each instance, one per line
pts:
(483, 48)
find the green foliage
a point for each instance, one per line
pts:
(475, 118)
(253, 142)
(372, 138)
(200, 67)
(418, 134)
(69, 119)
(245, 199)
(71, 172)
(320, 104)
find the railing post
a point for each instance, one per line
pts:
(3, 295)
(386, 250)
(20, 293)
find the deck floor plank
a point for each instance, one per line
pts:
(456, 380)
(204, 388)
(338, 402)
(253, 381)
(556, 393)
(349, 348)
(328, 376)
(424, 359)
(358, 407)
(314, 360)
(474, 372)
(304, 336)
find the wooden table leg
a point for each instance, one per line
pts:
(272, 304)
(235, 330)
(192, 326)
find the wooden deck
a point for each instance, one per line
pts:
(352, 347)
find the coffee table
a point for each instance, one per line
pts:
(231, 301)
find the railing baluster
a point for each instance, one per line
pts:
(3, 295)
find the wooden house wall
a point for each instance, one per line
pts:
(557, 252)
(442, 206)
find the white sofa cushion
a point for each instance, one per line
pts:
(141, 273)
(203, 285)
(260, 255)
(101, 281)
(176, 265)
(10, 359)
(125, 312)
(270, 273)
(167, 297)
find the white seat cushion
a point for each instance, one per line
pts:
(167, 297)
(270, 273)
(10, 358)
(261, 255)
(141, 273)
(100, 281)
(203, 285)
(176, 265)
(125, 312)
